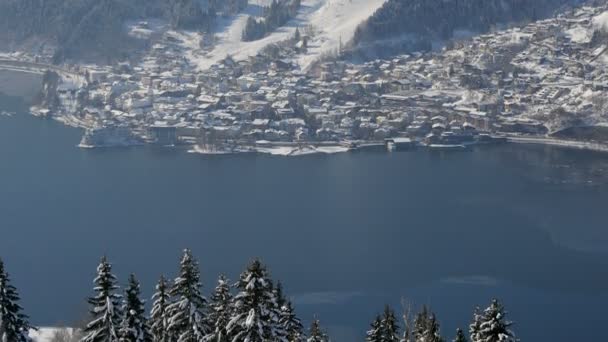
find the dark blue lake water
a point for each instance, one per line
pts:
(346, 233)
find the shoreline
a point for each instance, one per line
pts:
(279, 149)
(571, 144)
(295, 149)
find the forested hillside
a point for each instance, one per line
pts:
(439, 19)
(90, 27)
(275, 15)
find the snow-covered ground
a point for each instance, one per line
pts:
(301, 151)
(332, 21)
(579, 35)
(287, 151)
(46, 334)
(335, 21)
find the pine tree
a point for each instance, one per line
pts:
(375, 333)
(297, 36)
(426, 327)
(277, 303)
(105, 310)
(254, 317)
(475, 326)
(432, 331)
(390, 328)
(221, 310)
(291, 324)
(460, 336)
(159, 318)
(316, 333)
(420, 325)
(492, 325)
(134, 327)
(187, 314)
(278, 295)
(14, 325)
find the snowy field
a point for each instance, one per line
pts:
(46, 334)
(332, 20)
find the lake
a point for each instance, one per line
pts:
(345, 233)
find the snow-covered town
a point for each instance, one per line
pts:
(344, 170)
(291, 93)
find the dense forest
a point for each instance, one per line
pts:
(252, 309)
(89, 27)
(439, 19)
(276, 15)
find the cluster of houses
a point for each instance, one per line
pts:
(520, 80)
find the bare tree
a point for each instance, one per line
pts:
(408, 320)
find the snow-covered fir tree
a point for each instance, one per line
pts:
(14, 325)
(384, 328)
(279, 295)
(105, 311)
(420, 325)
(460, 337)
(475, 326)
(159, 318)
(255, 318)
(426, 327)
(492, 325)
(134, 327)
(187, 314)
(317, 334)
(291, 323)
(375, 333)
(390, 328)
(278, 302)
(432, 332)
(221, 311)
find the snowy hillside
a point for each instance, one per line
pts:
(332, 20)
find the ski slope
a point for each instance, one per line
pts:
(332, 20)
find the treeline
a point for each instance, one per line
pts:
(253, 309)
(80, 28)
(276, 15)
(227, 7)
(439, 18)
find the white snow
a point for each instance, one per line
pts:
(46, 334)
(332, 20)
(301, 151)
(279, 150)
(335, 21)
(579, 35)
(601, 21)
(145, 29)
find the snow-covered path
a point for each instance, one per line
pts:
(333, 21)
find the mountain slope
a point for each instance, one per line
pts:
(332, 21)
(439, 19)
(78, 28)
